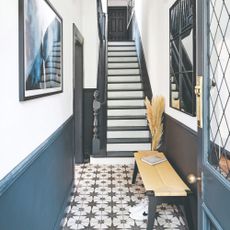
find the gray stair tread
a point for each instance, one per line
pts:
(118, 90)
(126, 98)
(121, 68)
(126, 107)
(125, 82)
(111, 56)
(125, 117)
(120, 153)
(123, 74)
(121, 62)
(128, 140)
(119, 45)
(127, 128)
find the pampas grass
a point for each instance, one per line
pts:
(155, 110)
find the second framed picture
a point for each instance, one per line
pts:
(40, 49)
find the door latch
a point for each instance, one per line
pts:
(199, 100)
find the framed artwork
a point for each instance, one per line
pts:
(40, 49)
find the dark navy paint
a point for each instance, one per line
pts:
(33, 195)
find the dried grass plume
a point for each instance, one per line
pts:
(155, 110)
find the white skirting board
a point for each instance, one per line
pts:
(111, 160)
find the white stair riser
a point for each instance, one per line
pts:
(123, 65)
(122, 53)
(128, 134)
(125, 86)
(122, 43)
(123, 71)
(129, 123)
(175, 95)
(122, 94)
(124, 79)
(126, 112)
(122, 59)
(125, 102)
(129, 147)
(123, 48)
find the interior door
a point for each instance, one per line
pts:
(213, 65)
(117, 24)
(78, 95)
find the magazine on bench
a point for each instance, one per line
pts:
(153, 160)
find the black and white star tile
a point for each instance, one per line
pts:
(102, 196)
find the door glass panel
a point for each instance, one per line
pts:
(219, 72)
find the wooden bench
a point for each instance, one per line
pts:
(162, 184)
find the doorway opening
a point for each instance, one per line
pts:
(78, 42)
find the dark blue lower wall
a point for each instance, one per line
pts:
(34, 194)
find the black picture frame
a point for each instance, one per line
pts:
(182, 22)
(40, 50)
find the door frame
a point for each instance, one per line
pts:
(78, 40)
(200, 71)
(118, 8)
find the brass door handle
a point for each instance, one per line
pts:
(192, 179)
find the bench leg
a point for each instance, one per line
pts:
(151, 209)
(188, 213)
(135, 171)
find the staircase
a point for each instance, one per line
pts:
(127, 129)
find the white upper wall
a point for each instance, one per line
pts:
(91, 42)
(117, 2)
(25, 125)
(153, 21)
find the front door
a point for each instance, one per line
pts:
(213, 66)
(117, 24)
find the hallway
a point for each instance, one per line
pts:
(102, 196)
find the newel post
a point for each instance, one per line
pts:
(96, 125)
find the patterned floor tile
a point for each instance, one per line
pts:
(102, 196)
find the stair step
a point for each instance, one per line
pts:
(126, 128)
(121, 48)
(123, 71)
(126, 112)
(125, 103)
(122, 59)
(122, 54)
(126, 117)
(125, 94)
(116, 147)
(134, 78)
(128, 140)
(126, 122)
(128, 134)
(123, 65)
(124, 86)
(120, 153)
(126, 107)
(121, 43)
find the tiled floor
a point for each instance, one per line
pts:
(102, 196)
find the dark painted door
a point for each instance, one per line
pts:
(117, 24)
(78, 100)
(214, 127)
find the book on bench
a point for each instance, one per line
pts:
(153, 160)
